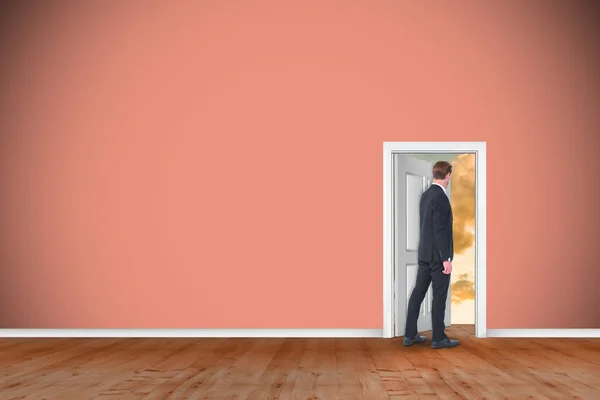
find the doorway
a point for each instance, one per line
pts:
(407, 172)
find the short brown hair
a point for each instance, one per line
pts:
(441, 169)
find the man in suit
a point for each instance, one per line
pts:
(436, 250)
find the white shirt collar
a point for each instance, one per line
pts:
(443, 188)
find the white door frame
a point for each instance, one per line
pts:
(479, 148)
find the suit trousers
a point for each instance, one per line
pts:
(429, 273)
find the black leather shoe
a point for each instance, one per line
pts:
(417, 339)
(445, 343)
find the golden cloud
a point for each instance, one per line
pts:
(462, 197)
(463, 289)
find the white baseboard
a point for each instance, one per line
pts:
(190, 333)
(271, 333)
(543, 333)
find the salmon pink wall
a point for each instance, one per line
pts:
(218, 164)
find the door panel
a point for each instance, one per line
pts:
(414, 188)
(411, 177)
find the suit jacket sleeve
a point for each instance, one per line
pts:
(441, 211)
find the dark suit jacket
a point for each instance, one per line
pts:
(436, 243)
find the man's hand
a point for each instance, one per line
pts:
(447, 267)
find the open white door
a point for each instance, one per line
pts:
(411, 177)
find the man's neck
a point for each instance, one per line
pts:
(441, 183)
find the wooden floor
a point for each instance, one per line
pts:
(326, 369)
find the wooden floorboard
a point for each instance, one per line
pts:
(299, 368)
